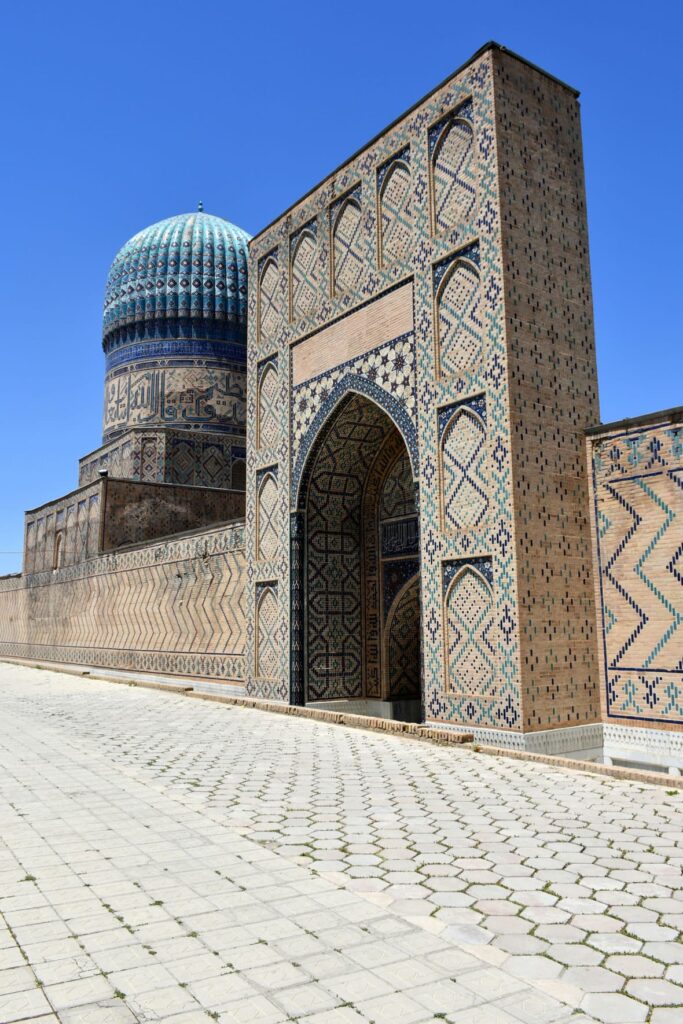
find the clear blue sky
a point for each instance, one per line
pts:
(117, 115)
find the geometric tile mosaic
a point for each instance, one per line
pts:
(638, 488)
(454, 169)
(269, 299)
(403, 644)
(268, 421)
(267, 654)
(396, 220)
(464, 465)
(388, 369)
(305, 281)
(458, 313)
(471, 663)
(341, 461)
(266, 489)
(347, 247)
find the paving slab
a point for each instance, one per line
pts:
(184, 861)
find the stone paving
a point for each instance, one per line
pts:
(169, 859)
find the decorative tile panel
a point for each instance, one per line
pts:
(464, 465)
(395, 190)
(305, 280)
(266, 489)
(269, 300)
(403, 643)
(460, 340)
(347, 249)
(454, 169)
(267, 656)
(471, 654)
(268, 397)
(638, 534)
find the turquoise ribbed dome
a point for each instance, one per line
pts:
(177, 272)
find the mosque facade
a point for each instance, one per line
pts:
(356, 461)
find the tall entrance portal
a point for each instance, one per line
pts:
(360, 566)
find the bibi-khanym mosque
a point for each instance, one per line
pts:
(356, 461)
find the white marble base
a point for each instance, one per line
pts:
(657, 748)
(581, 741)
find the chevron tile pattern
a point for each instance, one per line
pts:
(638, 492)
(175, 608)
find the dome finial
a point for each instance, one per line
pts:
(200, 207)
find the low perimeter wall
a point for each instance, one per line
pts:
(174, 607)
(637, 495)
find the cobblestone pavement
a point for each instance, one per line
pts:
(168, 859)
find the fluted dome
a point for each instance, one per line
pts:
(175, 328)
(186, 268)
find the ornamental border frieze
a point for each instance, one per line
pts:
(228, 668)
(217, 541)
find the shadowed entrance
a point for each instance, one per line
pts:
(360, 565)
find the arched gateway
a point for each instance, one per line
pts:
(357, 575)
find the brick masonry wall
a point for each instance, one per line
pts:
(476, 197)
(202, 459)
(64, 531)
(136, 512)
(636, 477)
(175, 607)
(552, 389)
(418, 207)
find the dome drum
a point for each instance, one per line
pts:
(174, 330)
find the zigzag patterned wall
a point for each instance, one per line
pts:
(638, 542)
(174, 607)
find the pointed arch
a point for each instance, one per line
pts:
(402, 658)
(347, 254)
(267, 419)
(395, 214)
(454, 176)
(238, 475)
(397, 497)
(58, 558)
(267, 657)
(269, 311)
(350, 385)
(464, 471)
(335, 578)
(266, 523)
(458, 318)
(471, 656)
(389, 517)
(304, 275)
